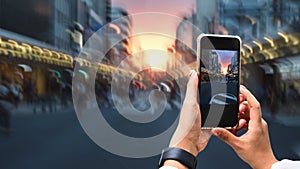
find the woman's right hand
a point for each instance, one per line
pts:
(254, 146)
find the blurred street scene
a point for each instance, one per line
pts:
(44, 44)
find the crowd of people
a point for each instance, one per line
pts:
(19, 89)
(138, 90)
(15, 89)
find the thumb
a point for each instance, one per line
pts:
(225, 136)
(192, 87)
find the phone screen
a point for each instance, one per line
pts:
(219, 81)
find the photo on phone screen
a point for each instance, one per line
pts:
(219, 81)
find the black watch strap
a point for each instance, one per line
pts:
(180, 155)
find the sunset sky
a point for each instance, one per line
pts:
(225, 58)
(162, 24)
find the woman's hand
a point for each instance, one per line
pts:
(188, 135)
(254, 146)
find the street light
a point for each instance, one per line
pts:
(270, 40)
(38, 53)
(12, 41)
(115, 27)
(248, 47)
(252, 19)
(284, 36)
(243, 52)
(28, 49)
(258, 44)
(48, 55)
(15, 47)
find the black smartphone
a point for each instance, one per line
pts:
(218, 59)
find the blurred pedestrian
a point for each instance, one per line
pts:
(17, 92)
(6, 98)
(29, 90)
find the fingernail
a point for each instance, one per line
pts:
(191, 72)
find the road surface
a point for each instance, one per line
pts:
(57, 141)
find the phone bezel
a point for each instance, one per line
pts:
(199, 50)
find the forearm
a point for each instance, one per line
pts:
(264, 161)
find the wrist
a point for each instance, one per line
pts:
(266, 163)
(188, 146)
(177, 157)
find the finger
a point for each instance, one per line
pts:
(253, 106)
(242, 86)
(243, 107)
(241, 125)
(192, 87)
(225, 136)
(243, 111)
(242, 98)
(243, 115)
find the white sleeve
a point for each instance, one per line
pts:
(286, 164)
(167, 167)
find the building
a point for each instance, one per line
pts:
(248, 19)
(119, 36)
(33, 18)
(43, 21)
(93, 14)
(100, 8)
(37, 33)
(64, 14)
(185, 43)
(53, 21)
(206, 15)
(87, 22)
(214, 62)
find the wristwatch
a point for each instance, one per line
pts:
(180, 155)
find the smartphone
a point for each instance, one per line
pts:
(218, 60)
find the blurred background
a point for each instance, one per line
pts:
(40, 41)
